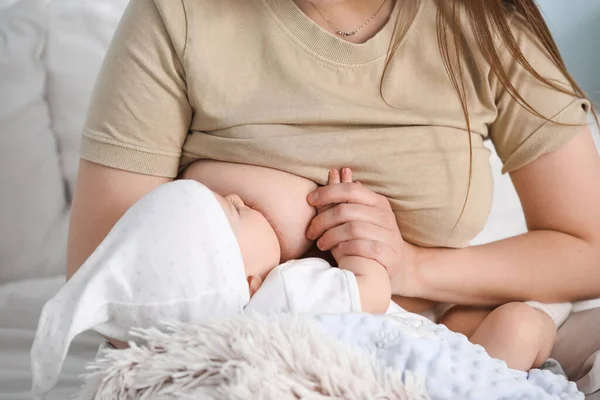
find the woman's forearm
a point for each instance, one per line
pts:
(545, 266)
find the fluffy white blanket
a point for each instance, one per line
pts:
(246, 357)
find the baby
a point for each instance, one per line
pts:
(185, 253)
(261, 252)
(310, 278)
(261, 247)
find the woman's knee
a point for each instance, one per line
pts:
(525, 324)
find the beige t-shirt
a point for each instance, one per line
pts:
(258, 82)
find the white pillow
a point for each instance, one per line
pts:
(79, 35)
(33, 210)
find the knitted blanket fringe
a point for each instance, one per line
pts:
(244, 357)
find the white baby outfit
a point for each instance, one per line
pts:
(174, 257)
(307, 286)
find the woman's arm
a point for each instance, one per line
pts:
(557, 260)
(138, 120)
(102, 195)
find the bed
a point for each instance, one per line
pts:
(21, 303)
(50, 53)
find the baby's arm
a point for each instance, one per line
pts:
(373, 281)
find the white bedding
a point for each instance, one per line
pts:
(20, 305)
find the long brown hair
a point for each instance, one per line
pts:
(486, 19)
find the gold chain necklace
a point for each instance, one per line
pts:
(344, 33)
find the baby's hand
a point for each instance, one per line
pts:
(372, 278)
(341, 176)
(335, 178)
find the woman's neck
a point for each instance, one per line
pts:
(349, 15)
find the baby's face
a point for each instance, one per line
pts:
(280, 197)
(257, 239)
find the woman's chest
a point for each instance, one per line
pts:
(424, 171)
(272, 100)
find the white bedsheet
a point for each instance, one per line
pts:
(20, 306)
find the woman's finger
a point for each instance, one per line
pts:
(352, 231)
(340, 214)
(371, 249)
(344, 193)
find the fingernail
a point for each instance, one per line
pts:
(313, 197)
(319, 243)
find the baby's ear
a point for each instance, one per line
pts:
(254, 283)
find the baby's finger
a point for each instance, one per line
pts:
(346, 175)
(337, 254)
(334, 177)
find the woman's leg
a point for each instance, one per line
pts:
(464, 319)
(520, 335)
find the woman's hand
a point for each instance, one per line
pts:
(355, 221)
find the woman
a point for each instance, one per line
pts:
(404, 92)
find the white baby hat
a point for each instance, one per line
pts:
(172, 256)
